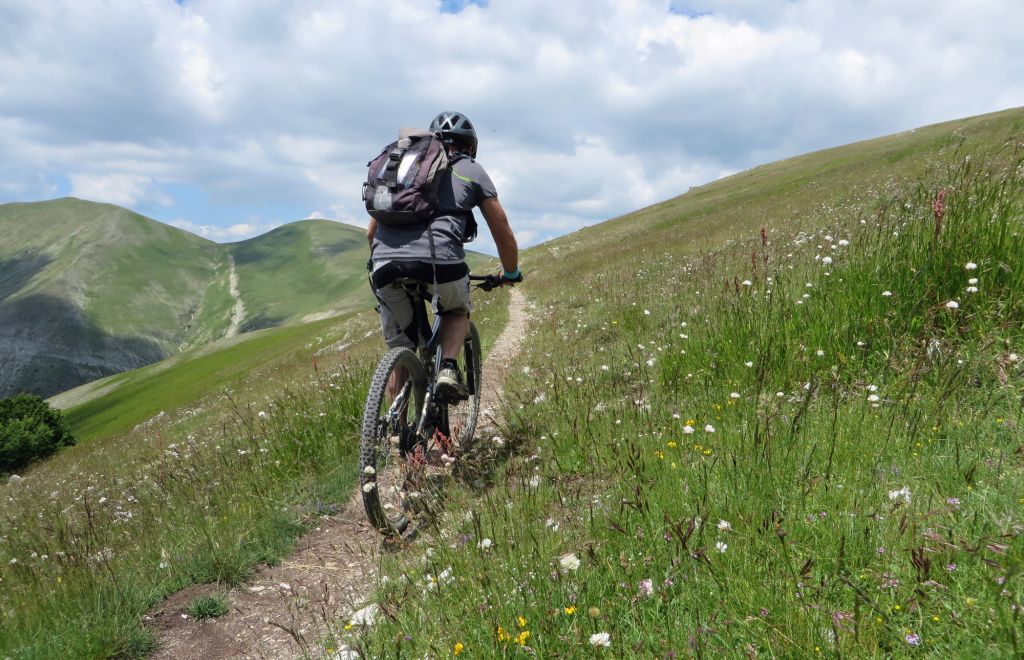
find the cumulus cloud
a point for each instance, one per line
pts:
(587, 108)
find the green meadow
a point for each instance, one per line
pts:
(776, 416)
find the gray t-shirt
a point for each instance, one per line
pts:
(463, 186)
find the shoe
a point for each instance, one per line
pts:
(449, 382)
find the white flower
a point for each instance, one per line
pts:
(485, 544)
(826, 260)
(873, 398)
(971, 266)
(724, 525)
(819, 353)
(747, 283)
(844, 242)
(872, 388)
(262, 414)
(1014, 357)
(972, 289)
(369, 470)
(647, 312)
(973, 280)
(887, 294)
(748, 364)
(687, 429)
(569, 562)
(535, 481)
(952, 304)
(368, 487)
(605, 367)
(734, 395)
(710, 429)
(901, 494)
(601, 639)
(721, 546)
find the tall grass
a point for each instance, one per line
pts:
(755, 450)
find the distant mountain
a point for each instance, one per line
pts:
(88, 289)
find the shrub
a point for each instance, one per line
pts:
(29, 430)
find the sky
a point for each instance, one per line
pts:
(228, 118)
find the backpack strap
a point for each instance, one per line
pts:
(390, 176)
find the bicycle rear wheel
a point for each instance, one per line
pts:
(462, 416)
(393, 406)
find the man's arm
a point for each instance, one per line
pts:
(497, 222)
(371, 231)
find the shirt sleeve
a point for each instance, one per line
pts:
(484, 186)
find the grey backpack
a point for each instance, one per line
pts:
(401, 183)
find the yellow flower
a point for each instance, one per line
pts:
(707, 452)
(660, 454)
(523, 636)
(459, 646)
(671, 444)
(971, 602)
(503, 636)
(348, 626)
(570, 610)
(691, 422)
(522, 621)
(935, 618)
(897, 608)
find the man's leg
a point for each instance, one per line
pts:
(454, 328)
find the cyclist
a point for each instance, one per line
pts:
(433, 252)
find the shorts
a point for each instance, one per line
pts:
(397, 321)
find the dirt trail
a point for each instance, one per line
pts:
(285, 611)
(238, 311)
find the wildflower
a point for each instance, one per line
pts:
(748, 364)
(709, 429)
(953, 501)
(843, 242)
(569, 562)
(687, 429)
(873, 398)
(951, 566)
(369, 470)
(972, 289)
(819, 353)
(594, 612)
(887, 294)
(535, 481)
(485, 544)
(952, 304)
(522, 637)
(971, 266)
(367, 487)
(734, 395)
(724, 526)
(880, 550)
(504, 636)
(569, 610)
(872, 388)
(521, 620)
(601, 639)
(826, 260)
(459, 646)
(262, 414)
(973, 280)
(913, 639)
(901, 494)
(721, 546)
(646, 587)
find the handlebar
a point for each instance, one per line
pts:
(489, 282)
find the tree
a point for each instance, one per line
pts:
(29, 430)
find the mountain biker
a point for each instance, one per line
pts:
(434, 250)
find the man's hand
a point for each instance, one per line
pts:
(511, 278)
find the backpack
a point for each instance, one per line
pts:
(401, 183)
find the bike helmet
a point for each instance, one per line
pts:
(455, 127)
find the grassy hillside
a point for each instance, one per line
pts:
(777, 416)
(88, 290)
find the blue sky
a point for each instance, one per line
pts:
(230, 117)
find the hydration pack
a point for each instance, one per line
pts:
(401, 183)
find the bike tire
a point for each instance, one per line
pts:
(382, 470)
(462, 417)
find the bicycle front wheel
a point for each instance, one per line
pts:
(462, 416)
(393, 406)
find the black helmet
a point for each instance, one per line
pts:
(455, 127)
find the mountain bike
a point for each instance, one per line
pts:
(411, 433)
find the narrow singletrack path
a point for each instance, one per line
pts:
(287, 610)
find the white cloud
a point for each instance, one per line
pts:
(236, 232)
(121, 189)
(587, 108)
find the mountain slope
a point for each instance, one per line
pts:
(88, 290)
